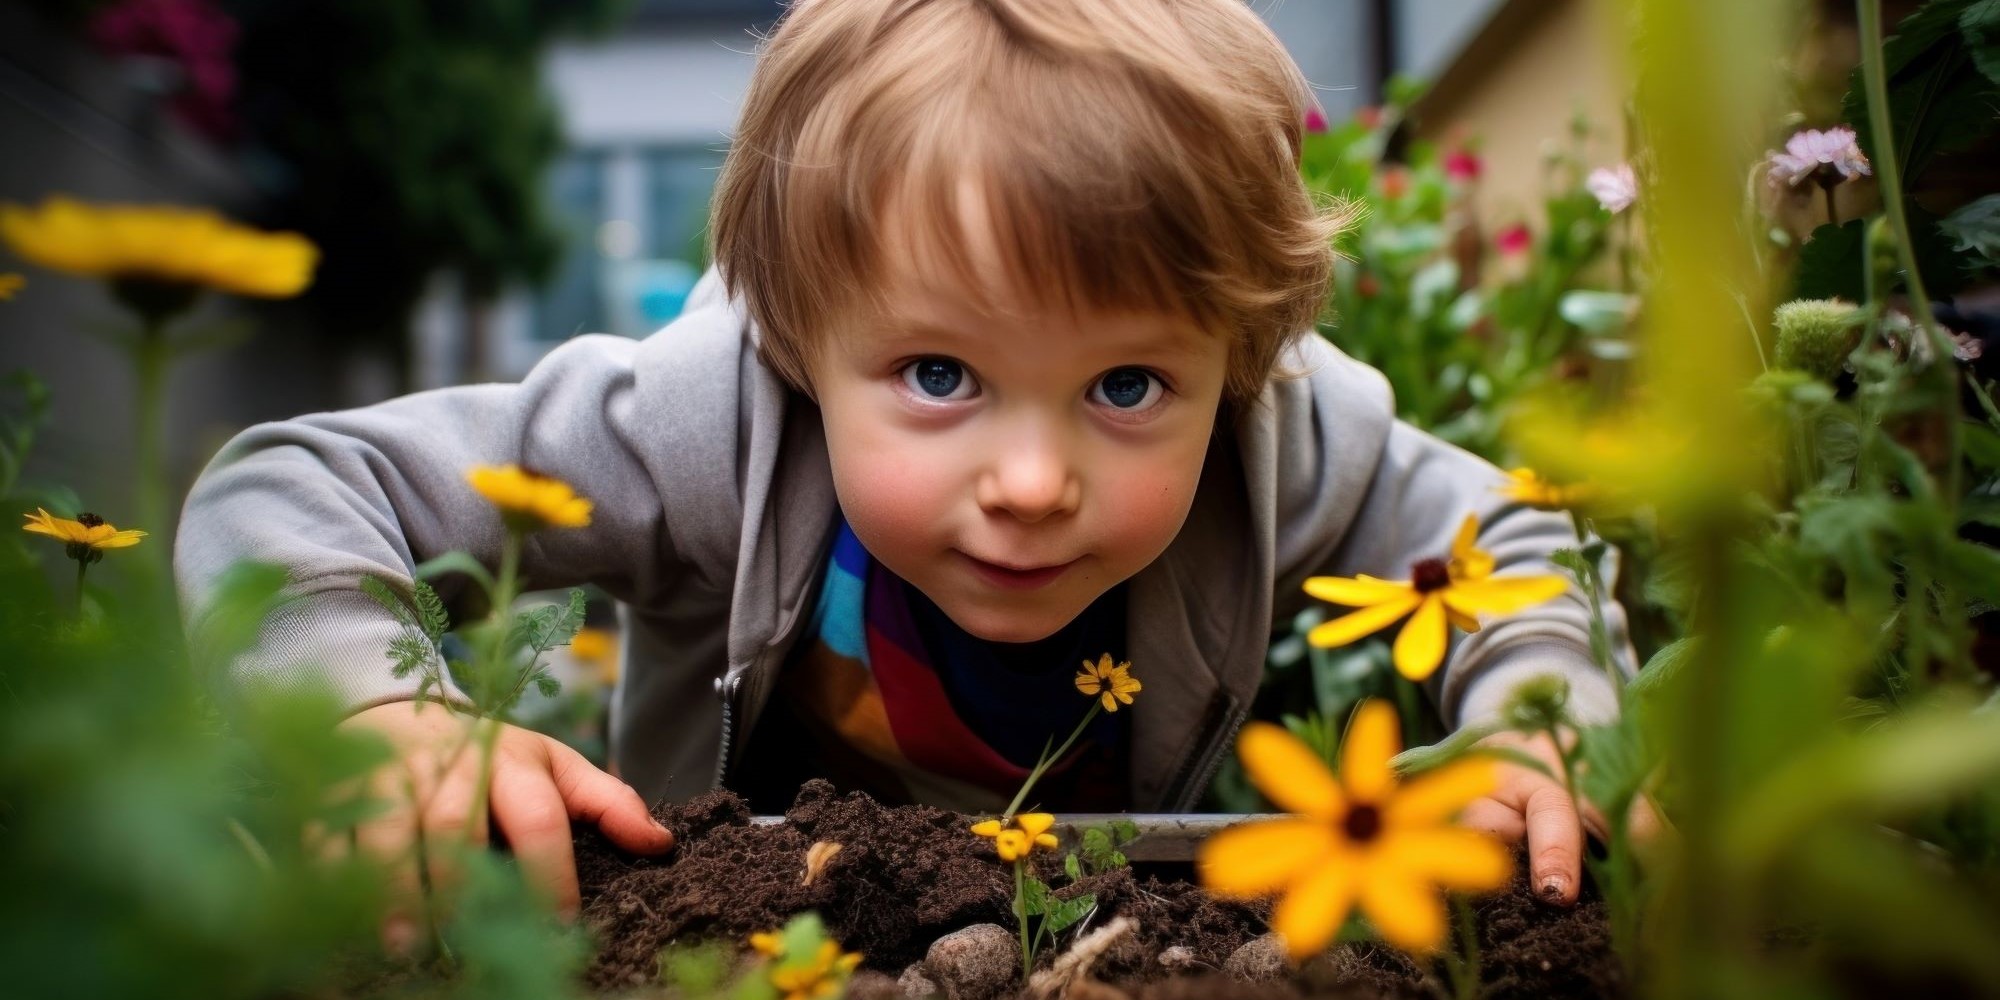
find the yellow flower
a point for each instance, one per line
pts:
(1027, 832)
(819, 976)
(1116, 683)
(159, 243)
(597, 648)
(86, 538)
(10, 284)
(767, 943)
(1439, 591)
(528, 500)
(1360, 838)
(1528, 487)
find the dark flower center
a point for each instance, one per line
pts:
(89, 520)
(1429, 575)
(1827, 175)
(1363, 822)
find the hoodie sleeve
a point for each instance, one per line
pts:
(333, 497)
(1362, 492)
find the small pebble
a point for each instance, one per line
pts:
(1260, 960)
(981, 962)
(916, 984)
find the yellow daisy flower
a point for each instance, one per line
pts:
(1360, 838)
(1027, 832)
(529, 501)
(159, 243)
(11, 284)
(767, 943)
(822, 975)
(1116, 684)
(1527, 486)
(1439, 591)
(85, 538)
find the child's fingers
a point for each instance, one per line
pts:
(531, 815)
(1555, 844)
(595, 797)
(1497, 818)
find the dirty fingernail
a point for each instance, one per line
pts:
(1552, 888)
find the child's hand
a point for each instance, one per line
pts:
(1533, 805)
(538, 786)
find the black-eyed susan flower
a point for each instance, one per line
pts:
(822, 974)
(159, 245)
(1357, 839)
(529, 501)
(11, 285)
(1110, 684)
(1439, 593)
(1020, 836)
(1529, 487)
(84, 539)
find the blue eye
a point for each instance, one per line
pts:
(1128, 389)
(938, 378)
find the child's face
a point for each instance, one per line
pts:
(1014, 466)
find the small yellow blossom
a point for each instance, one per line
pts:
(597, 648)
(819, 976)
(1116, 684)
(529, 501)
(85, 538)
(1440, 592)
(9, 285)
(767, 943)
(1359, 838)
(1027, 832)
(159, 243)
(1527, 486)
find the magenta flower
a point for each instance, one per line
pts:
(196, 37)
(1462, 166)
(1513, 240)
(1828, 157)
(1615, 188)
(1315, 120)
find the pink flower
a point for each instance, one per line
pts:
(1615, 188)
(194, 35)
(1514, 240)
(1315, 120)
(1828, 157)
(1460, 165)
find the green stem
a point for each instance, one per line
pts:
(150, 355)
(1021, 914)
(1889, 174)
(81, 566)
(1048, 760)
(1465, 972)
(1407, 708)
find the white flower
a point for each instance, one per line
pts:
(1828, 157)
(1615, 188)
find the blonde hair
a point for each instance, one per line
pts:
(1133, 155)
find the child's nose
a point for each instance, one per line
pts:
(1030, 480)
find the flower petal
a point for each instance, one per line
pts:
(1253, 859)
(1405, 910)
(1503, 595)
(1448, 856)
(1367, 621)
(1359, 591)
(1435, 796)
(1364, 755)
(1420, 645)
(1035, 824)
(1288, 772)
(120, 540)
(1468, 532)
(987, 828)
(1311, 914)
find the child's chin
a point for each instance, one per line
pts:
(1010, 624)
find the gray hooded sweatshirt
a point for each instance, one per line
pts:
(715, 509)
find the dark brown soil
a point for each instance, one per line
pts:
(905, 876)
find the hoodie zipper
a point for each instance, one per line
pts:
(726, 687)
(1196, 773)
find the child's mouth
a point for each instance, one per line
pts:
(1016, 579)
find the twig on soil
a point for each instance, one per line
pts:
(1074, 964)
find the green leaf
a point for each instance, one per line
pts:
(456, 562)
(1981, 25)
(1831, 263)
(1939, 101)
(1072, 867)
(433, 619)
(1975, 227)
(1062, 914)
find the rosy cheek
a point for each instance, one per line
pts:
(1151, 502)
(891, 491)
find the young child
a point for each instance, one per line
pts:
(1008, 363)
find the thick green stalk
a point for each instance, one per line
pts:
(1889, 174)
